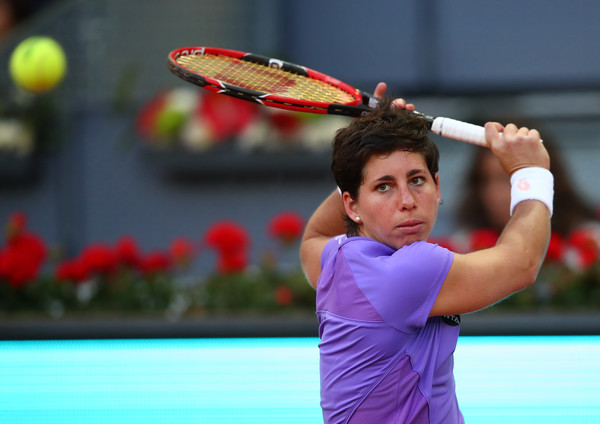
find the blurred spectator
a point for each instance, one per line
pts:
(486, 199)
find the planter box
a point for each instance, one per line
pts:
(299, 325)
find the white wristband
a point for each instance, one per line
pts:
(532, 184)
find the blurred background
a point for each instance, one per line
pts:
(125, 154)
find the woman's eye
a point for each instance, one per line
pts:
(417, 180)
(383, 187)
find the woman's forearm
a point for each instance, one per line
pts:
(328, 219)
(326, 222)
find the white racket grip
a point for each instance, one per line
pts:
(458, 130)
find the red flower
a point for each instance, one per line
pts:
(127, 251)
(182, 251)
(31, 245)
(231, 242)
(585, 244)
(484, 238)
(72, 270)
(146, 121)
(286, 123)
(284, 295)
(98, 258)
(227, 236)
(287, 227)
(25, 252)
(232, 262)
(22, 260)
(16, 268)
(225, 116)
(155, 262)
(556, 248)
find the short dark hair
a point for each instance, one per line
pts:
(382, 131)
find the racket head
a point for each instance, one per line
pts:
(268, 81)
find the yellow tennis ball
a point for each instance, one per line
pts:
(38, 64)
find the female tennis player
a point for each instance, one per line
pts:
(389, 302)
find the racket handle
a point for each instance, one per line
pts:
(458, 130)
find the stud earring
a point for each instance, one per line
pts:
(358, 219)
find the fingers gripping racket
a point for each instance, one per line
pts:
(276, 83)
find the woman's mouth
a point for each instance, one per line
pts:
(411, 226)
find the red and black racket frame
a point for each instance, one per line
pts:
(357, 107)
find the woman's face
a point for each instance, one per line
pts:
(397, 201)
(494, 190)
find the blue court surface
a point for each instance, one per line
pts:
(533, 379)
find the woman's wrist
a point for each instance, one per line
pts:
(533, 183)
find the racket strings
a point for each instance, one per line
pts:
(258, 77)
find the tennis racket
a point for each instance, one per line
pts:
(276, 83)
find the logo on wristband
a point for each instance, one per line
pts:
(523, 185)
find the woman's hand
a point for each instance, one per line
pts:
(399, 103)
(517, 147)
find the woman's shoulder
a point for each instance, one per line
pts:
(366, 246)
(363, 247)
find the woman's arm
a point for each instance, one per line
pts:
(480, 279)
(326, 222)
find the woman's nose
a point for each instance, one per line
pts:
(406, 200)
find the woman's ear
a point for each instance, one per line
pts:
(439, 193)
(351, 206)
(437, 188)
